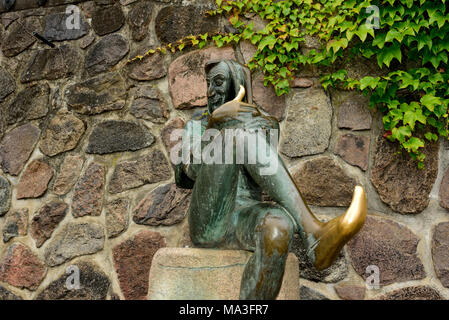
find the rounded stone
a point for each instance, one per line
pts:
(106, 92)
(176, 22)
(132, 262)
(106, 53)
(74, 240)
(107, 19)
(63, 134)
(116, 136)
(30, 103)
(139, 18)
(34, 181)
(46, 220)
(324, 183)
(21, 268)
(166, 205)
(16, 224)
(354, 149)
(51, 64)
(150, 168)
(266, 98)
(94, 284)
(391, 247)
(17, 39)
(310, 110)
(399, 182)
(117, 217)
(17, 146)
(88, 193)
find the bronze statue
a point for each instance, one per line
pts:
(227, 210)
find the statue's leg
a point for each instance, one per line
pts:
(324, 240)
(267, 230)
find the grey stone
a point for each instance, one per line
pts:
(117, 217)
(150, 67)
(88, 193)
(306, 293)
(354, 149)
(16, 147)
(116, 136)
(34, 180)
(16, 224)
(353, 110)
(46, 220)
(62, 134)
(150, 168)
(68, 173)
(324, 183)
(166, 205)
(266, 98)
(149, 105)
(17, 39)
(391, 247)
(106, 53)
(51, 64)
(107, 19)
(30, 103)
(105, 92)
(310, 110)
(400, 183)
(139, 18)
(176, 22)
(74, 240)
(94, 285)
(7, 84)
(56, 27)
(5, 195)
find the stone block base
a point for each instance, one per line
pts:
(208, 274)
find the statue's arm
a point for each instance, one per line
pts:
(185, 173)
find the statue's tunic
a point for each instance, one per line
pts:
(220, 191)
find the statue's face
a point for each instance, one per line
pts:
(218, 84)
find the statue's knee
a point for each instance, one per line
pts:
(277, 233)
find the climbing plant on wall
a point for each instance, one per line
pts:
(408, 38)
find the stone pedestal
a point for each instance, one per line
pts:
(208, 274)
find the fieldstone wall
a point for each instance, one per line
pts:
(86, 180)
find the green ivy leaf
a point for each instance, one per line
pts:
(429, 101)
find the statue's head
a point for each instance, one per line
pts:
(224, 78)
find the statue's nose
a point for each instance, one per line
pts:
(210, 91)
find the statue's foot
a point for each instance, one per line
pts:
(336, 233)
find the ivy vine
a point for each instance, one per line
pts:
(408, 38)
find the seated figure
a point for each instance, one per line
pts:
(227, 210)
